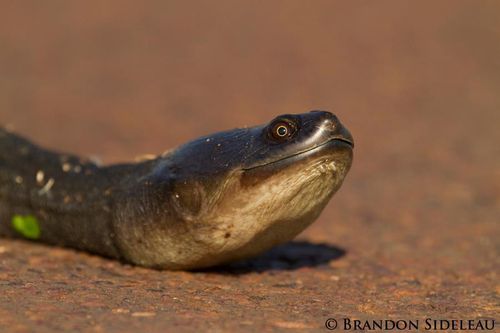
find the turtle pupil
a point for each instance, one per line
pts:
(282, 131)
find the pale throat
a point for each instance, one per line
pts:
(284, 205)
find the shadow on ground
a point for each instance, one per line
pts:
(290, 256)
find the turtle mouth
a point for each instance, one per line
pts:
(336, 142)
(349, 142)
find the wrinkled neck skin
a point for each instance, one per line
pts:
(179, 218)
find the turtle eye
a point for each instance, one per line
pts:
(282, 130)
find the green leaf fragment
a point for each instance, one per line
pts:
(26, 225)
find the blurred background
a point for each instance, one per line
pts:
(416, 82)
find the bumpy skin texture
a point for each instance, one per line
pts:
(219, 198)
(76, 211)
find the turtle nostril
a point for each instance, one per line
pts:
(329, 124)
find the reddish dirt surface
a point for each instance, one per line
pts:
(413, 233)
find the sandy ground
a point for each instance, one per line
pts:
(414, 231)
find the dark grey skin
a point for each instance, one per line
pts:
(219, 198)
